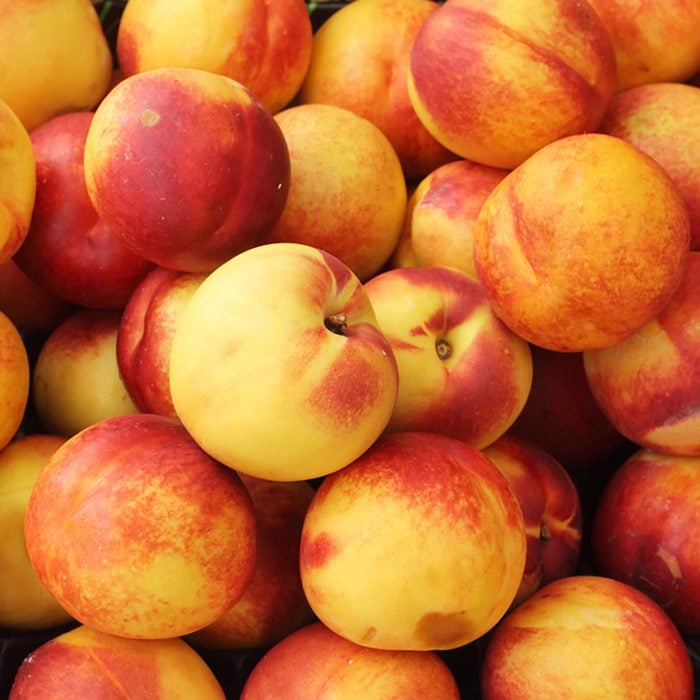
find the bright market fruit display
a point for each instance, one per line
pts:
(350, 349)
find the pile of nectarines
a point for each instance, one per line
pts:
(349, 349)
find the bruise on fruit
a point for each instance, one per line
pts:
(443, 630)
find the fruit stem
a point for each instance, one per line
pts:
(337, 323)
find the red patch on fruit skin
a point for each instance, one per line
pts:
(353, 386)
(83, 329)
(316, 550)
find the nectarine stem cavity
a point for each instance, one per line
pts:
(443, 349)
(337, 323)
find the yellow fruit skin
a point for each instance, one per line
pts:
(54, 58)
(17, 182)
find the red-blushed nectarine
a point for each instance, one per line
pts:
(86, 663)
(648, 384)
(27, 304)
(18, 182)
(551, 508)
(496, 80)
(68, 249)
(661, 119)
(419, 544)
(462, 371)
(144, 337)
(138, 532)
(645, 532)
(562, 417)
(187, 167)
(273, 605)
(441, 214)
(264, 44)
(359, 61)
(44, 75)
(14, 379)
(75, 379)
(278, 368)
(587, 637)
(25, 604)
(653, 42)
(347, 192)
(582, 244)
(314, 663)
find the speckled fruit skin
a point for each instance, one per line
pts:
(494, 81)
(648, 384)
(86, 663)
(418, 545)
(314, 662)
(653, 43)
(273, 605)
(544, 252)
(137, 532)
(68, 249)
(661, 119)
(645, 532)
(587, 636)
(278, 368)
(145, 336)
(187, 167)
(359, 61)
(462, 371)
(264, 44)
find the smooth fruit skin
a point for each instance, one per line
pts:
(25, 604)
(648, 384)
(14, 379)
(316, 663)
(18, 183)
(278, 368)
(137, 532)
(144, 337)
(75, 379)
(151, 141)
(661, 119)
(87, 663)
(551, 508)
(441, 214)
(48, 76)
(587, 636)
(418, 545)
(347, 191)
(68, 249)
(545, 254)
(359, 61)
(266, 45)
(462, 372)
(495, 80)
(645, 532)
